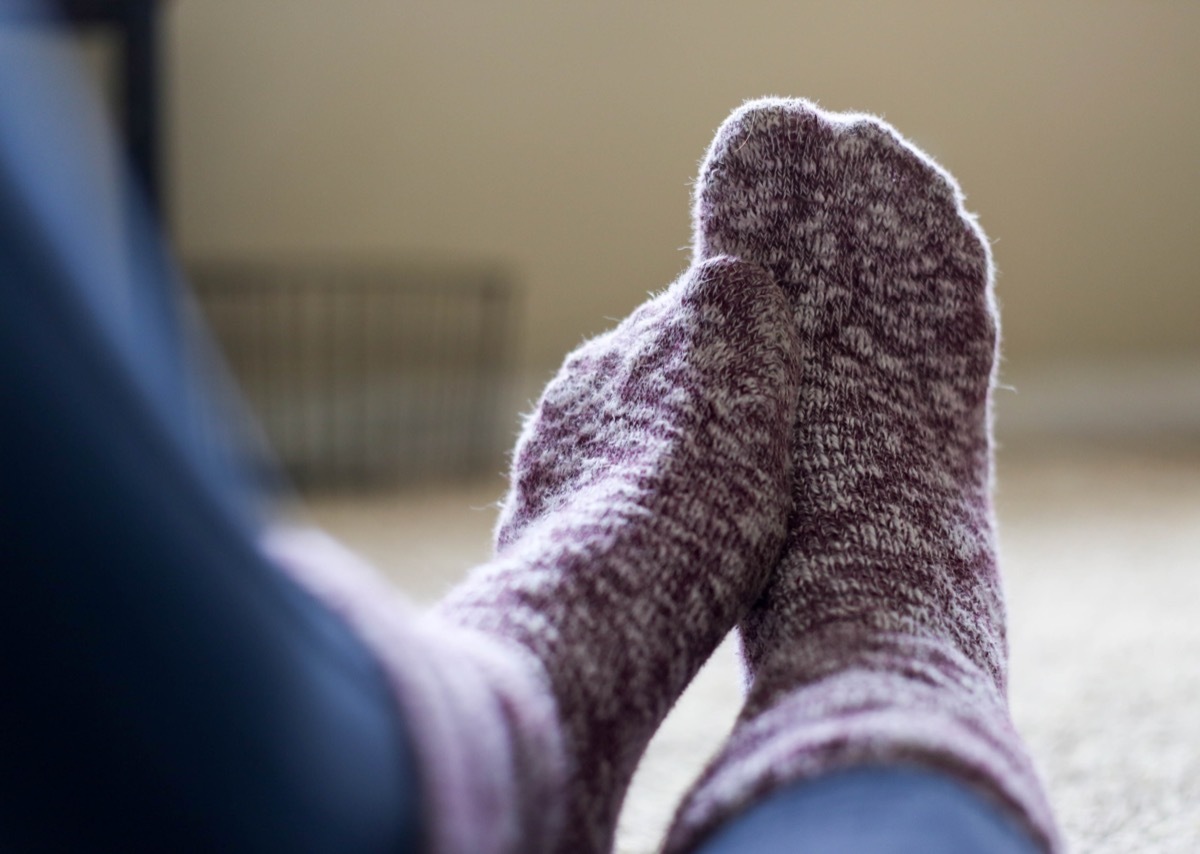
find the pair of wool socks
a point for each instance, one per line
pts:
(794, 436)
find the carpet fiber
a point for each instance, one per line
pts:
(1101, 550)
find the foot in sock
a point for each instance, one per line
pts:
(649, 498)
(880, 639)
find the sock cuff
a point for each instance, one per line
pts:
(868, 718)
(490, 741)
(481, 716)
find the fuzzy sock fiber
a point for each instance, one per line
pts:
(649, 499)
(880, 639)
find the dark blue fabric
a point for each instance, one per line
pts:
(872, 811)
(164, 688)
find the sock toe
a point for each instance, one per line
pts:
(792, 187)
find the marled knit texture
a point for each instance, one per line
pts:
(881, 636)
(649, 500)
(649, 497)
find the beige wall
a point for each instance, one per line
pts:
(561, 137)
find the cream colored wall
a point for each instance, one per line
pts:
(561, 137)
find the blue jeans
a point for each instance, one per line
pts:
(880, 810)
(164, 687)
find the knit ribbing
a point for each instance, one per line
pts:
(881, 635)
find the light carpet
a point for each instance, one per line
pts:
(1101, 550)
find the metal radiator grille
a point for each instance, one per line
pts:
(366, 375)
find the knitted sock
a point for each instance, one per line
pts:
(649, 499)
(880, 639)
(648, 502)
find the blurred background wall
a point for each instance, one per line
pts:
(561, 137)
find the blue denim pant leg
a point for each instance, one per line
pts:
(164, 687)
(872, 811)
